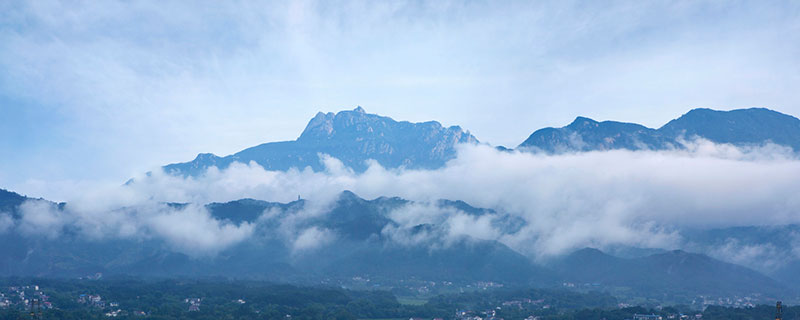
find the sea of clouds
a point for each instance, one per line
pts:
(562, 202)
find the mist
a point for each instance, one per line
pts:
(563, 202)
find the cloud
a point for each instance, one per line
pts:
(192, 230)
(761, 256)
(312, 238)
(430, 224)
(544, 205)
(189, 229)
(42, 218)
(6, 222)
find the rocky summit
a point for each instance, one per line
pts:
(353, 137)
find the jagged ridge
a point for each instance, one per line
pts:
(350, 136)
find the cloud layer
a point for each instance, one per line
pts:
(560, 202)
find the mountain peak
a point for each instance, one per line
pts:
(741, 127)
(753, 126)
(205, 156)
(585, 134)
(717, 115)
(322, 123)
(589, 252)
(325, 126)
(583, 121)
(9, 200)
(352, 136)
(348, 195)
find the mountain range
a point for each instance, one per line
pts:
(361, 247)
(356, 136)
(365, 246)
(352, 137)
(742, 127)
(672, 271)
(361, 238)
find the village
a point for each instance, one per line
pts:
(32, 297)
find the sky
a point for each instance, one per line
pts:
(98, 92)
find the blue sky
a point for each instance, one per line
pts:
(99, 91)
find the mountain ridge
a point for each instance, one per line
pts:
(352, 137)
(355, 136)
(741, 127)
(361, 243)
(675, 270)
(366, 245)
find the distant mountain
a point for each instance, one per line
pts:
(14, 247)
(10, 201)
(364, 248)
(741, 127)
(366, 241)
(360, 246)
(350, 136)
(670, 272)
(771, 249)
(356, 136)
(585, 134)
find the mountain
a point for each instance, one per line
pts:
(585, 134)
(350, 136)
(669, 272)
(740, 127)
(356, 136)
(10, 201)
(769, 249)
(14, 247)
(364, 245)
(364, 241)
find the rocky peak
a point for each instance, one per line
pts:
(319, 126)
(583, 123)
(351, 136)
(205, 156)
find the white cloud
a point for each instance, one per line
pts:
(480, 228)
(761, 256)
(188, 229)
(641, 198)
(6, 222)
(312, 238)
(42, 218)
(192, 230)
